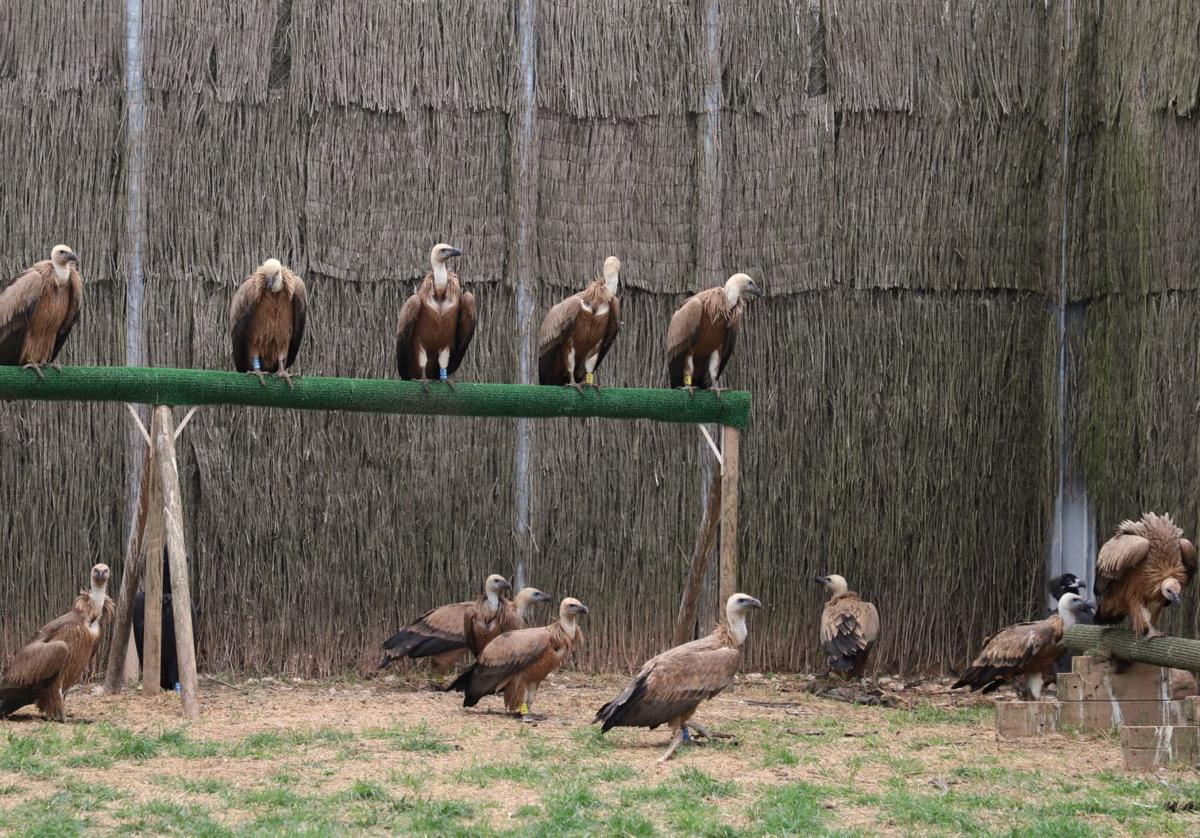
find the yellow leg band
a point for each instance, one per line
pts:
(687, 381)
(590, 379)
(523, 709)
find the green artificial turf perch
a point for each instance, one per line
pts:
(145, 385)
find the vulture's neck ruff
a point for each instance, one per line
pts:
(493, 599)
(732, 296)
(62, 273)
(441, 277)
(567, 622)
(736, 619)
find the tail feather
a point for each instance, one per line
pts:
(462, 684)
(13, 699)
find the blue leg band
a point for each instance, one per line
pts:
(257, 365)
(442, 374)
(687, 736)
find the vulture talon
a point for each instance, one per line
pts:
(57, 366)
(448, 383)
(425, 385)
(576, 386)
(286, 376)
(262, 377)
(691, 389)
(717, 391)
(37, 368)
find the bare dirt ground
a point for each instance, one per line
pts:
(278, 757)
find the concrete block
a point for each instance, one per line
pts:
(1024, 719)
(1147, 747)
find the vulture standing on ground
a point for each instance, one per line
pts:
(38, 309)
(439, 633)
(168, 671)
(577, 333)
(1024, 654)
(436, 323)
(670, 686)
(266, 321)
(1141, 570)
(849, 628)
(490, 616)
(517, 662)
(1068, 583)
(53, 660)
(703, 332)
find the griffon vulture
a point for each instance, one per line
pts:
(168, 672)
(1024, 654)
(849, 627)
(516, 663)
(671, 685)
(266, 321)
(577, 333)
(38, 309)
(703, 332)
(436, 323)
(1068, 583)
(489, 616)
(1141, 570)
(51, 662)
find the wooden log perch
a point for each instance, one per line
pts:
(1175, 652)
(161, 386)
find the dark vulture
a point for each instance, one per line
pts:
(1024, 654)
(670, 686)
(55, 658)
(38, 309)
(1068, 583)
(517, 662)
(168, 671)
(440, 633)
(436, 324)
(849, 628)
(703, 332)
(1141, 570)
(578, 332)
(266, 321)
(489, 616)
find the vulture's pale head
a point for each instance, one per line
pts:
(738, 286)
(1070, 606)
(741, 603)
(836, 585)
(442, 252)
(100, 576)
(612, 273)
(62, 257)
(570, 609)
(526, 598)
(496, 584)
(1171, 589)
(272, 269)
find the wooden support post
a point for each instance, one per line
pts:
(114, 680)
(153, 539)
(729, 515)
(168, 472)
(685, 623)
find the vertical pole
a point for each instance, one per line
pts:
(729, 513)
(181, 597)
(522, 130)
(130, 579)
(706, 537)
(152, 542)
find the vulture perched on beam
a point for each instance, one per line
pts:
(266, 321)
(1141, 570)
(670, 686)
(440, 633)
(578, 332)
(168, 672)
(849, 628)
(516, 663)
(38, 309)
(703, 332)
(1024, 654)
(1068, 583)
(436, 324)
(52, 662)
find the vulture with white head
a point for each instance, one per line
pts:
(1141, 570)
(53, 661)
(578, 332)
(436, 323)
(849, 627)
(703, 332)
(38, 309)
(1024, 654)
(670, 686)
(490, 616)
(517, 662)
(266, 321)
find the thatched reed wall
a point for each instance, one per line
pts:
(892, 172)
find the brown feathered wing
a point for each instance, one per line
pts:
(241, 315)
(464, 332)
(17, 302)
(556, 326)
(849, 629)
(299, 316)
(1012, 651)
(510, 655)
(409, 312)
(435, 632)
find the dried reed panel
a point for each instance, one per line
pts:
(54, 46)
(766, 52)
(931, 56)
(403, 54)
(224, 185)
(234, 50)
(625, 188)
(934, 204)
(777, 200)
(619, 58)
(382, 189)
(899, 440)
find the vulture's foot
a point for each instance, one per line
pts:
(262, 377)
(57, 367)
(705, 733)
(425, 384)
(691, 389)
(1153, 633)
(576, 386)
(718, 390)
(676, 741)
(286, 376)
(36, 368)
(448, 383)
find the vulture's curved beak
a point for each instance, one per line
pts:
(454, 251)
(504, 585)
(72, 256)
(1087, 608)
(581, 608)
(753, 603)
(1172, 597)
(541, 596)
(753, 288)
(821, 580)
